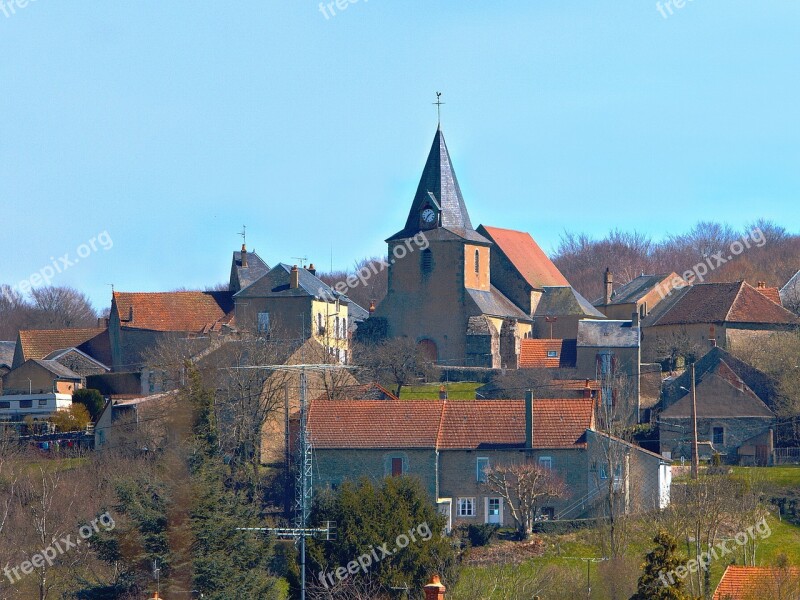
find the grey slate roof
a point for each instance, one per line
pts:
(57, 369)
(635, 289)
(439, 180)
(56, 354)
(607, 334)
(761, 385)
(241, 277)
(791, 291)
(7, 353)
(664, 306)
(495, 304)
(275, 284)
(565, 300)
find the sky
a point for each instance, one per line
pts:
(137, 138)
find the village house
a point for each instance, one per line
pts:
(695, 319)
(39, 343)
(37, 389)
(448, 445)
(733, 417)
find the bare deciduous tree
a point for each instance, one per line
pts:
(523, 487)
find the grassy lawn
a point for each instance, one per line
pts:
(455, 391)
(562, 551)
(783, 476)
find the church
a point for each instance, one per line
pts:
(471, 295)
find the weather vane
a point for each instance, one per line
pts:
(438, 104)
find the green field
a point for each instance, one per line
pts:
(455, 391)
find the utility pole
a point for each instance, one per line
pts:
(695, 459)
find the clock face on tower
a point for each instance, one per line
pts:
(428, 216)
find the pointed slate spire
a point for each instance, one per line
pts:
(438, 180)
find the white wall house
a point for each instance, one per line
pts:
(39, 406)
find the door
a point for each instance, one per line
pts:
(494, 513)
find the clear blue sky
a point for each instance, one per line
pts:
(171, 124)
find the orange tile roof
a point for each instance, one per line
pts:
(772, 293)
(196, 312)
(745, 583)
(526, 256)
(576, 384)
(374, 423)
(557, 423)
(533, 354)
(38, 343)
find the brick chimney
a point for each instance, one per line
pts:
(435, 590)
(244, 257)
(371, 306)
(442, 392)
(587, 390)
(529, 419)
(312, 269)
(294, 278)
(608, 282)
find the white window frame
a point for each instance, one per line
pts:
(546, 462)
(552, 354)
(466, 507)
(479, 472)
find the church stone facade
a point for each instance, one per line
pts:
(443, 294)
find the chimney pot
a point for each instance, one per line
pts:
(529, 419)
(442, 392)
(587, 390)
(244, 256)
(435, 590)
(312, 269)
(294, 278)
(372, 306)
(608, 282)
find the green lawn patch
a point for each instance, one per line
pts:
(430, 391)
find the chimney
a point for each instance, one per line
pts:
(294, 279)
(635, 319)
(762, 285)
(435, 590)
(244, 257)
(587, 390)
(529, 419)
(312, 269)
(608, 282)
(442, 392)
(371, 306)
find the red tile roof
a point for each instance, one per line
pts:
(533, 354)
(374, 423)
(746, 583)
(772, 293)
(526, 256)
(557, 423)
(736, 302)
(196, 312)
(38, 343)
